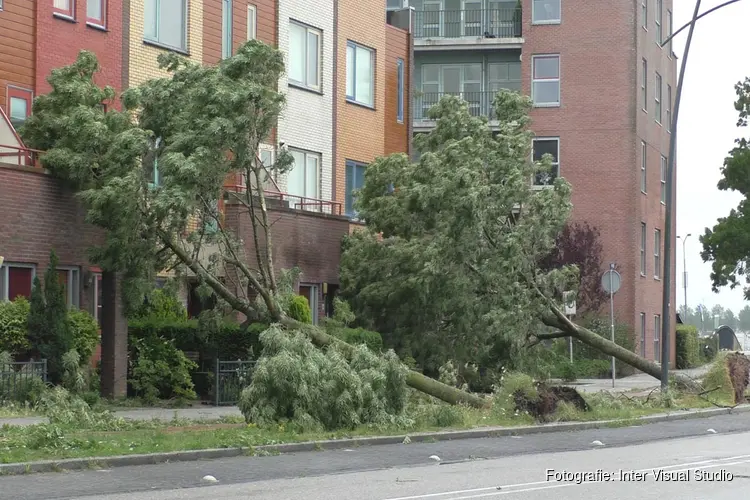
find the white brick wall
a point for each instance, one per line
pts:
(307, 121)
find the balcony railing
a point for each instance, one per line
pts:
(468, 23)
(480, 103)
(15, 155)
(286, 200)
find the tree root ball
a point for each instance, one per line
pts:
(545, 404)
(739, 373)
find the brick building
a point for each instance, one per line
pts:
(602, 94)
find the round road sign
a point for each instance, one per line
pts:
(611, 281)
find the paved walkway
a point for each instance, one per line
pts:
(637, 381)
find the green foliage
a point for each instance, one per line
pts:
(358, 336)
(85, 332)
(50, 333)
(718, 381)
(299, 309)
(161, 371)
(342, 312)
(162, 303)
(688, 350)
(503, 402)
(295, 381)
(14, 325)
(19, 386)
(74, 376)
(568, 372)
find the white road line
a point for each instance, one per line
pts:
(520, 485)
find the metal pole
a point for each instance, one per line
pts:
(217, 381)
(612, 321)
(685, 273)
(570, 346)
(667, 276)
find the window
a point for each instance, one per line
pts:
(547, 146)
(657, 337)
(64, 7)
(644, 156)
(669, 108)
(643, 334)
(303, 178)
(266, 154)
(1, 4)
(464, 80)
(400, 83)
(96, 11)
(226, 29)
(657, 253)
(310, 292)
(16, 280)
(96, 302)
(304, 56)
(657, 21)
(355, 179)
(670, 28)
(643, 249)
(644, 14)
(545, 88)
(252, 22)
(19, 105)
(644, 84)
(394, 4)
(151, 164)
(545, 11)
(165, 23)
(663, 174)
(70, 279)
(657, 98)
(360, 74)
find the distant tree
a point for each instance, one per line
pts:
(744, 319)
(729, 319)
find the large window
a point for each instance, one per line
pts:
(70, 279)
(549, 146)
(304, 55)
(545, 87)
(657, 98)
(355, 179)
(657, 337)
(360, 74)
(151, 164)
(303, 180)
(64, 7)
(226, 29)
(644, 157)
(165, 23)
(657, 253)
(643, 334)
(546, 11)
(96, 12)
(657, 21)
(252, 22)
(669, 108)
(16, 280)
(644, 84)
(670, 22)
(663, 174)
(19, 105)
(401, 91)
(464, 80)
(643, 249)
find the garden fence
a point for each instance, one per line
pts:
(16, 378)
(230, 378)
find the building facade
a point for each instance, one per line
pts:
(608, 131)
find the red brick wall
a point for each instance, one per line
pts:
(397, 46)
(60, 40)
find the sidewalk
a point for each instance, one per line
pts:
(640, 381)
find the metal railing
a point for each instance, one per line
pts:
(16, 378)
(480, 103)
(468, 23)
(277, 198)
(230, 378)
(15, 155)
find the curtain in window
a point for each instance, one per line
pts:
(19, 282)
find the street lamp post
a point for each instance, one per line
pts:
(684, 270)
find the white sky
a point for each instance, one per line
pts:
(706, 132)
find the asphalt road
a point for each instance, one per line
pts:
(512, 467)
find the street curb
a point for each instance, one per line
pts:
(337, 444)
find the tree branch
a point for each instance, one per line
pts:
(537, 338)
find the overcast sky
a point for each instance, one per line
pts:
(706, 132)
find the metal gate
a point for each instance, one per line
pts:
(231, 377)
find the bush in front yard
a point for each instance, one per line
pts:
(161, 371)
(14, 326)
(688, 350)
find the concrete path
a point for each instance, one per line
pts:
(640, 381)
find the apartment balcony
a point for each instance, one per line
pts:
(467, 29)
(480, 104)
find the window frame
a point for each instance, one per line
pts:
(72, 299)
(535, 185)
(536, 22)
(644, 14)
(644, 236)
(5, 277)
(644, 84)
(644, 165)
(92, 21)
(69, 13)
(643, 334)
(227, 18)
(156, 41)
(657, 254)
(669, 108)
(318, 87)
(657, 97)
(534, 80)
(96, 305)
(314, 298)
(252, 28)
(318, 175)
(157, 178)
(663, 180)
(658, 21)
(670, 28)
(13, 91)
(1, 5)
(657, 338)
(349, 198)
(373, 63)
(401, 90)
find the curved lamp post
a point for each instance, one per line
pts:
(667, 287)
(684, 268)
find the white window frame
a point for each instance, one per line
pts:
(314, 299)
(96, 277)
(657, 337)
(316, 194)
(658, 21)
(670, 21)
(226, 28)
(663, 179)
(155, 39)
(643, 334)
(644, 164)
(252, 27)
(657, 254)
(644, 236)
(269, 181)
(73, 278)
(319, 73)
(92, 21)
(644, 84)
(67, 13)
(353, 75)
(535, 21)
(400, 90)
(669, 108)
(534, 80)
(5, 279)
(555, 163)
(657, 97)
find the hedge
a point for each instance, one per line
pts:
(688, 350)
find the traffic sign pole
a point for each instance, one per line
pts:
(611, 281)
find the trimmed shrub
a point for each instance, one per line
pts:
(688, 350)
(14, 318)
(299, 309)
(161, 370)
(85, 331)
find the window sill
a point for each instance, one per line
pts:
(539, 187)
(158, 45)
(360, 104)
(400, 122)
(656, 278)
(546, 23)
(663, 203)
(96, 26)
(658, 122)
(644, 192)
(643, 275)
(64, 17)
(305, 88)
(644, 110)
(547, 105)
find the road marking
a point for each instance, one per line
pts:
(535, 483)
